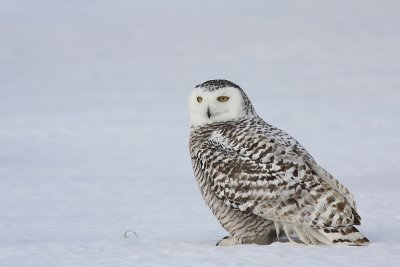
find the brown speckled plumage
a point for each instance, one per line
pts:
(257, 180)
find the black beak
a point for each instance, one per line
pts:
(208, 112)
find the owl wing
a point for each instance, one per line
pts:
(332, 181)
(267, 179)
(299, 151)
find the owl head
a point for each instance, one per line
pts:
(218, 101)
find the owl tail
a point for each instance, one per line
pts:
(347, 235)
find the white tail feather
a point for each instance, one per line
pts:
(347, 235)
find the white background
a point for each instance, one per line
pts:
(94, 123)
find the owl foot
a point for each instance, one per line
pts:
(229, 241)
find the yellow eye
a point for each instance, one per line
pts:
(199, 99)
(223, 98)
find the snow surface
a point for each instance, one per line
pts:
(94, 123)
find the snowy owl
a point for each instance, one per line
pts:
(258, 181)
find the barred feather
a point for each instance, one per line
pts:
(258, 180)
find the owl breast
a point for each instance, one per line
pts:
(247, 227)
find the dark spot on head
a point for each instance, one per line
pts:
(212, 85)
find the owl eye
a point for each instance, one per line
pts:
(223, 98)
(199, 99)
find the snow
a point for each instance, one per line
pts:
(94, 123)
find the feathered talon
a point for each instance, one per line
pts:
(229, 241)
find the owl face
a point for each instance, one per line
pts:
(209, 106)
